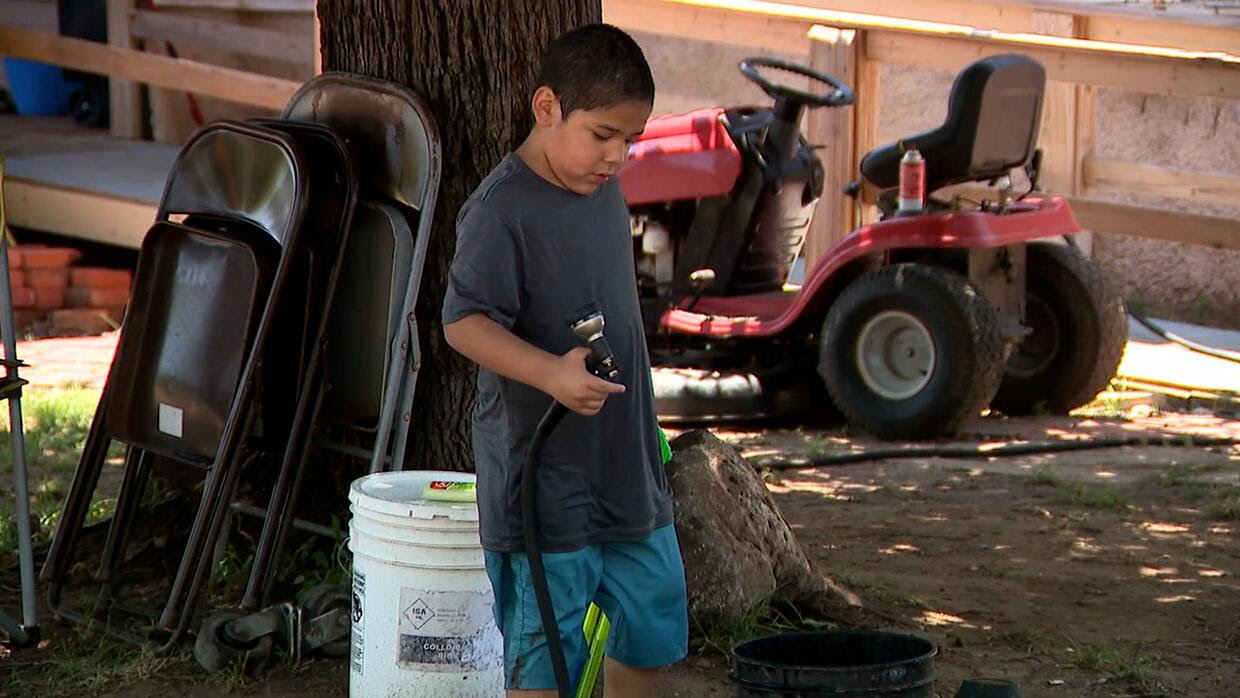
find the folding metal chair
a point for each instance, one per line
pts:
(362, 382)
(389, 128)
(190, 364)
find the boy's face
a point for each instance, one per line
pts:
(589, 146)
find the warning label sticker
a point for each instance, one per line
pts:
(448, 631)
(359, 620)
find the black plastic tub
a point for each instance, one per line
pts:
(839, 663)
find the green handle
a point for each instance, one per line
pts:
(596, 628)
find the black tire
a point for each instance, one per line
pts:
(215, 651)
(323, 598)
(1079, 332)
(963, 332)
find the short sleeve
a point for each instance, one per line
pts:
(486, 271)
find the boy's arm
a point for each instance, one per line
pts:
(565, 378)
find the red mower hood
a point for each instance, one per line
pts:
(681, 156)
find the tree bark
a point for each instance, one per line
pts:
(473, 61)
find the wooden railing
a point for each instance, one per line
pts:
(148, 68)
(1082, 50)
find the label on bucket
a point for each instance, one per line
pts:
(359, 621)
(448, 631)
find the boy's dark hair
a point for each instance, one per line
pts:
(593, 66)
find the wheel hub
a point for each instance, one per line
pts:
(1042, 345)
(895, 355)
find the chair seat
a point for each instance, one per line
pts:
(992, 122)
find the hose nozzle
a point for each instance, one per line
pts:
(587, 323)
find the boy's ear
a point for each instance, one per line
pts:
(546, 107)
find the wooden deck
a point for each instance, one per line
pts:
(80, 182)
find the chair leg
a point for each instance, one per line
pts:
(77, 503)
(282, 504)
(133, 485)
(179, 610)
(410, 365)
(217, 491)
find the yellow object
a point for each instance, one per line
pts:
(449, 491)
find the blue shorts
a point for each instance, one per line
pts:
(639, 585)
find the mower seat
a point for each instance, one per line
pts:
(992, 126)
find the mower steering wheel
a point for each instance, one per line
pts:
(841, 95)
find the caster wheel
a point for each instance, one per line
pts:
(215, 650)
(322, 599)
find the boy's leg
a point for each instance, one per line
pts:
(624, 681)
(643, 594)
(572, 578)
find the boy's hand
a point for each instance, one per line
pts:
(575, 387)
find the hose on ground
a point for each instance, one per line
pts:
(1001, 450)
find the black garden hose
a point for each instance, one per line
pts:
(1176, 339)
(587, 324)
(533, 547)
(1164, 334)
(982, 451)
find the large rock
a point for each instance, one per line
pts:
(738, 549)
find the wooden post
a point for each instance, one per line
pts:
(1086, 123)
(125, 110)
(832, 51)
(865, 117)
(1057, 138)
(1067, 120)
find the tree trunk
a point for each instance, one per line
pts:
(473, 61)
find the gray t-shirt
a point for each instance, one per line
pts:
(529, 254)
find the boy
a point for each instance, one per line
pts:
(545, 233)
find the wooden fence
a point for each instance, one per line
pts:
(1075, 47)
(1082, 49)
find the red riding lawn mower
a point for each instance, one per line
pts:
(915, 323)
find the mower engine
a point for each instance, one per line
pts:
(729, 190)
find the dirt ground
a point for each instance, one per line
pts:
(1095, 573)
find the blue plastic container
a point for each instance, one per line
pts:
(38, 89)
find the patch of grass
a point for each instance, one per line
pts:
(230, 678)
(763, 618)
(1225, 497)
(1079, 493)
(1177, 475)
(1023, 640)
(1116, 662)
(54, 426)
(880, 592)
(1107, 407)
(820, 447)
(87, 663)
(315, 561)
(1045, 475)
(1093, 496)
(54, 423)
(1227, 510)
(310, 560)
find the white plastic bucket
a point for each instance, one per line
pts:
(422, 620)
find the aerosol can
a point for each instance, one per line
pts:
(912, 193)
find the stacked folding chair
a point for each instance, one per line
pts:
(238, 345)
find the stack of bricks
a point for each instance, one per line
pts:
(52, 297)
